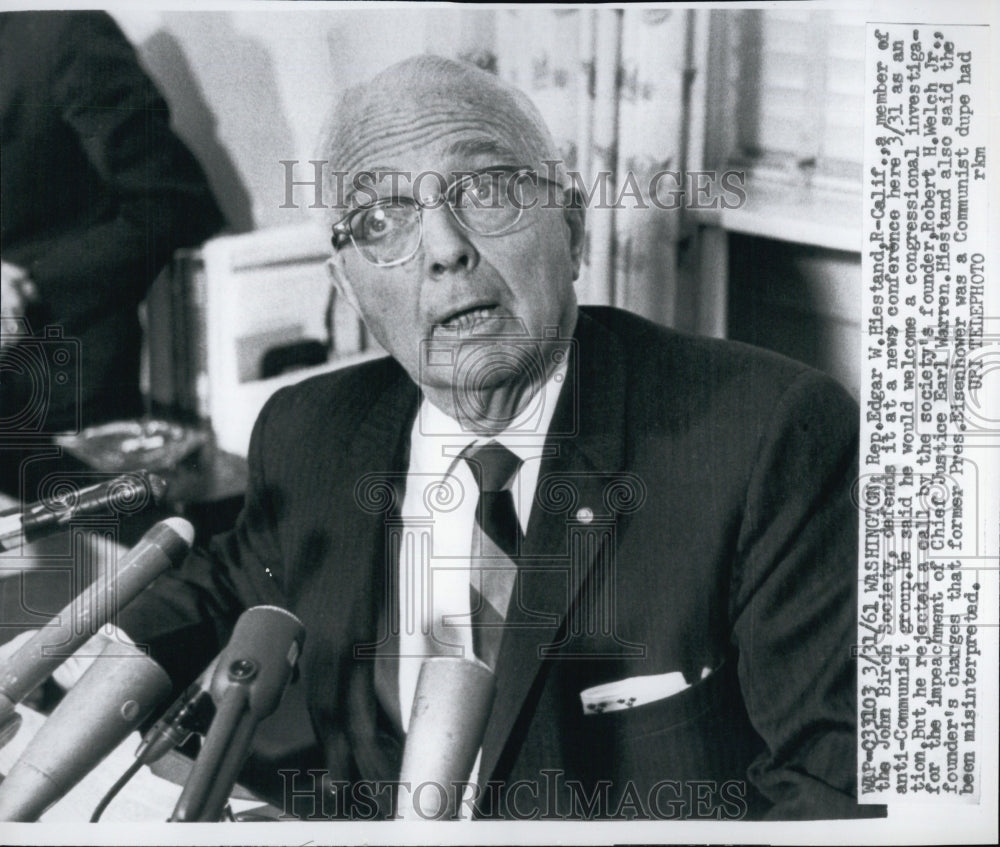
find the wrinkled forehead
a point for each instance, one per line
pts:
(452, 118)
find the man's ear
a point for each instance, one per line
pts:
(335, 267)
(576, 217)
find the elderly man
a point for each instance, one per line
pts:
(649, 538)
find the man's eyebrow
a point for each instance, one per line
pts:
(482, 147)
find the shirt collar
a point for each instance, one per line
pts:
(437, 438)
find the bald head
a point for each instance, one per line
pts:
(429, 103)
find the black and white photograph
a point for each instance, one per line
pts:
(449, 423)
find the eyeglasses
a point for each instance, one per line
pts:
(489, 202)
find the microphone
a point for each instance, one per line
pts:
(250, 676)
(118, 690)
(129, 493)
(451, 708)
(165, 544)
(190, 713)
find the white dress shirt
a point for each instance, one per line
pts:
(438, 512)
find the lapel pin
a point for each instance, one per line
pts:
(585, 515)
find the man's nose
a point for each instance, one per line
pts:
(447, 247)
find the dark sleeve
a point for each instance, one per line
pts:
(794, 603)
(160, 197)
(186, 616)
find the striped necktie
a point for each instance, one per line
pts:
(496, 542)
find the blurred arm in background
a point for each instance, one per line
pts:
(97, 194)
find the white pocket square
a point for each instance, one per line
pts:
(634, 691)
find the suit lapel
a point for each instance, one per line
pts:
(366, 477)
(587, 437)
(371, 474)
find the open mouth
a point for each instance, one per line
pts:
(464, 320)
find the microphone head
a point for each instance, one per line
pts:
(129, 493)
(180, 527)
(451, 707)
(163, 546)
(261, 655)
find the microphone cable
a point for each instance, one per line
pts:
(112, 792)
(192, 714)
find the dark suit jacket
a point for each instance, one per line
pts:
(723, 536)
(97, 194)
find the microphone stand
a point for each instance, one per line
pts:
(222, 754)
(250, 677)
